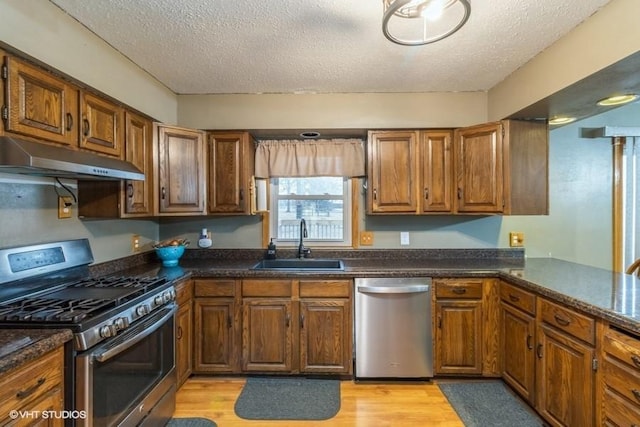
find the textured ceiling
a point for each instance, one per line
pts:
(323, 46)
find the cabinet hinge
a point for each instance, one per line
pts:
(5, 72)
(594, 364)
(5, 113)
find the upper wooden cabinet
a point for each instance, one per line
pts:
(102, 127)
(409, 172)
(180, 170)
(39, 104)
(231, 160)
(502, 168)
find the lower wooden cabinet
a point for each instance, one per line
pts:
(267, 335)
(459, 325)
(184, 331)
(565, 366)
(216, 324)
(34, 387)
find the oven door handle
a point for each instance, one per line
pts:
(134, 336)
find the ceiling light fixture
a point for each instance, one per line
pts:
(617, 100)
(420, 22)
(561, 120)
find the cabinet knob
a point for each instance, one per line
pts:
(375, 194)
(241, 194)
(539, 351)
(302, 321)
(636, 394)
(163, 193)
(179, 333)
(426, 193)
(459, 193)
(130, 190)
(229, 322)
(529, 345)
(287, 320)
(636, 360)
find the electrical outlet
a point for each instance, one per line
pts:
(64, 206)
(366, 238)
(516, 239)
(404, 238)
(135, 243)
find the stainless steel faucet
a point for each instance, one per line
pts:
(302, 251)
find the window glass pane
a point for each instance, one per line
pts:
(309, 186)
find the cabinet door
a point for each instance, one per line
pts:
(478, 164)
(565, 379)
(325, 336)
(215, 344)
(230, 169)
(138, 195)
(267, 337)
(458, 337)
(436, 171)
(392, 172)
(102, 125)
(39, 104)
(181, 170)
(184, 333)
(518, 342)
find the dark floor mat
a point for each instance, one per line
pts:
(190, 422)
(288, 399)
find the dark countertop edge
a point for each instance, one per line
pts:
(43, 341)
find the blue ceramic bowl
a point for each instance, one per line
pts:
(170, 255)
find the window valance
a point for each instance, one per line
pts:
(302, 158)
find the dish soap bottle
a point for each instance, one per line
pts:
(271, 250)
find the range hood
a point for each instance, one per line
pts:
(30, 158)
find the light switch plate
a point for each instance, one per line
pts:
(64, 207)
(366, 238)
(404, 238)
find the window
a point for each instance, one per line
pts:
(323, 202)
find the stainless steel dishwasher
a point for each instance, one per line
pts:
(393, 328)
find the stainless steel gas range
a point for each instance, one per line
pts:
(121, 365)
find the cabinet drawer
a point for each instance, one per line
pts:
(266, 288)
(624, 348)
(215, 288)
(463, 289)
(567, 320)
(623, 380)
(28, 383)
(184, 292)
(519, 298)
(617, 411)
(325, 288)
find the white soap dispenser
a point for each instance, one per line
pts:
(204, 241)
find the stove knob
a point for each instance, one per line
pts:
(159, 300)
(121, 323)
(108, 331)
(166, 297)
(142, 310)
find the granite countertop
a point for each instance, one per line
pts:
(18, 346)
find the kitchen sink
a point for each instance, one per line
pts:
(300, 264)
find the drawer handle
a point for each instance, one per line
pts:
(459, 291)
(636, 394)
(514, 298)
(636, 360)
(561, 320)
(529, 345)
(28, 392)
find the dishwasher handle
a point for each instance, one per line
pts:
(409, 289)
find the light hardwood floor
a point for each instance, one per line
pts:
(362, 405)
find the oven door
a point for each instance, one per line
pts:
(120, 382)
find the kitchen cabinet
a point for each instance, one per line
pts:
(267, 326)
(409, 172)
(565, 366)
(325, 326)
(459, 327)
(102, 127)
(184, 331)
(216, 326)
(502, 168)
(619, 391)
(518, 326)
(179, 170)
(127, 198)
(34, 387)
(39, 104)
(231, 159)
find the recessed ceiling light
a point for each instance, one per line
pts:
(618, 100)
(310, 134)
(561, 120)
